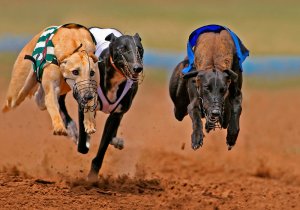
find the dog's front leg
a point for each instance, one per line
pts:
(110, 131)
(51, 85)
(89, 122)
(194, 111)
(84, 138)
(234, 121)
(195, 114)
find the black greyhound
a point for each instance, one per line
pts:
(121, 71)
(212, 89)
(205, 94)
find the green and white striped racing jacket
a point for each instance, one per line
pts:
(43, 52)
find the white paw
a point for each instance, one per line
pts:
(90, 130)
(89, 127)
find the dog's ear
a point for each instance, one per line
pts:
(194, 73)
(94, 57)
(231, 75)
(62, 64)
(190, 74)
(138, 36)
(199, 78)
(111, 37)
(201, 74)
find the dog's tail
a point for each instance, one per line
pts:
(23, 79)
(18, 90)
(7, 104)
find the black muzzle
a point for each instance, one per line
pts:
(214, 118)
(133, 72)
(85, 92)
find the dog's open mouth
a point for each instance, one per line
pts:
(85, 92)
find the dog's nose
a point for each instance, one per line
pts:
(216, 112)
(88, 96)
(137, 68)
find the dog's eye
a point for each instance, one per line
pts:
(122, 48)
(75, 72)
(92, 73)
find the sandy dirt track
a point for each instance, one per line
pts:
(157, 169)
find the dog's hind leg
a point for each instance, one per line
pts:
(110, 131)
(51, 85)
(69, 122)
(181, 100)
(178, 93)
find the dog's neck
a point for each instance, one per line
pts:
(112, 77)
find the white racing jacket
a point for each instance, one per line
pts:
(100, 34)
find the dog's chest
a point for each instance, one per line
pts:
(112, 96)
(115, 83)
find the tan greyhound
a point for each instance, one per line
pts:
(73, 65)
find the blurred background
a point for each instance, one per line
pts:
(268, 28)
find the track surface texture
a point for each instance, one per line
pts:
(157, 169)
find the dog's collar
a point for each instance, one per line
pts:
(115, 67)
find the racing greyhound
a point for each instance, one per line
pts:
(121, 71)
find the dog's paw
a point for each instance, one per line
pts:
(230, 144)
(229, 147)
(231, 139)
(90, 130)
(197, 145)
(197, 141)
(60, 130)
(89, 127)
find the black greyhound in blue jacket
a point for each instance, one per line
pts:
(121, 71)
(208, 83)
